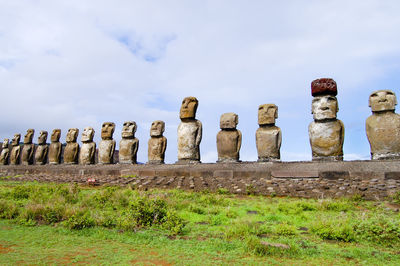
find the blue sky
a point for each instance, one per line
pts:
(80, 63)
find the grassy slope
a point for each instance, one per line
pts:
(220, 229)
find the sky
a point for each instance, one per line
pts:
(79, 63)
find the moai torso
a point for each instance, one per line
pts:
(88, 149)
(157, 143)
(28, 148)
(326, 139)
(71, 150)
(41, 149)
(268, 136)
(107, 144)
(5, 153)
(229, 139)
(55, 147)
(383, 126)
(128, 145)
(15, 150)
(189, 132)
(326, 132)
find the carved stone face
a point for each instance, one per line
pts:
(87, 134)
(55, 135)
(16, 139)
(157, 128)
(107, 130)
(129, 129)
(29, 136)
(42, 137)
(228, 121)
(5, 143)
(324, 107)
(188, 108)
(382, 100)
(267, 113)
(72, 135)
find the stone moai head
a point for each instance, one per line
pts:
(55, 135)
(157, 128)
(382, 100)
(324, 104)
(229, 121)
(128, 130)
(267, 113)
(107, 130)
(42, 137)
(5, 143)
(29, 136)
(87, 134)
(72, 135)
(188, 108)
(16, 139)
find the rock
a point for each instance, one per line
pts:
(42, 149)
(229, 139)
(128, 145)
(107, 144)
(157, 143)
(28, 148)
(5, 152)
(88, 149)
(71, 151)
(55, 147)
(275, 245)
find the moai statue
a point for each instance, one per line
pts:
(71, 150)
(268, 136)
(189, 132)
(55, 147)
(5, 153)
(326, 132)
(128, 145)
(28, 148)
(157, 143)
(42, 148)
(229, 139)
(107, 144)
(88, 149)
(15, 150)
(383, 126)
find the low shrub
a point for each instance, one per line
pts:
(334, 230)
(379, 229)
(80, 220)
(286, 229)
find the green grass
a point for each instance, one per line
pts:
(66, 224)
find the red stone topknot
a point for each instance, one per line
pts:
(324, 86)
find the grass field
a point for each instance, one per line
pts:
(71, 224)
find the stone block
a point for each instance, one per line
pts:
(392, 175)
(294, 174)
(223, 173)
(334, 174)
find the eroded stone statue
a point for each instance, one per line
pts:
(229, 139)
(107, 144)
(128, 145)
(383, 126)
(88, 149)
(189, 132)
(157, 143)
(326, 132)
(42, 148)
(268, 136)
(55, 147)
(15, 150)
(71, 150)
(5, 152)
(28, 148)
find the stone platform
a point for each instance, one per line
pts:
(370, 179)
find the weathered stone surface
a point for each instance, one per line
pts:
(88, 149)
(128, 145)
(268, 136)
(28, 148)
(71, 151)
(55, 147)
(107, 144)
(15, 150)
(383, 126)
(324, 86)
(42, 148)
(189, 132)
(326, 132)
(157, 143)
(5, 152)
(229, 139)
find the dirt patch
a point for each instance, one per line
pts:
(4, 250)
(150, 262)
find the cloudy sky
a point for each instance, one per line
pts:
(80, 63)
